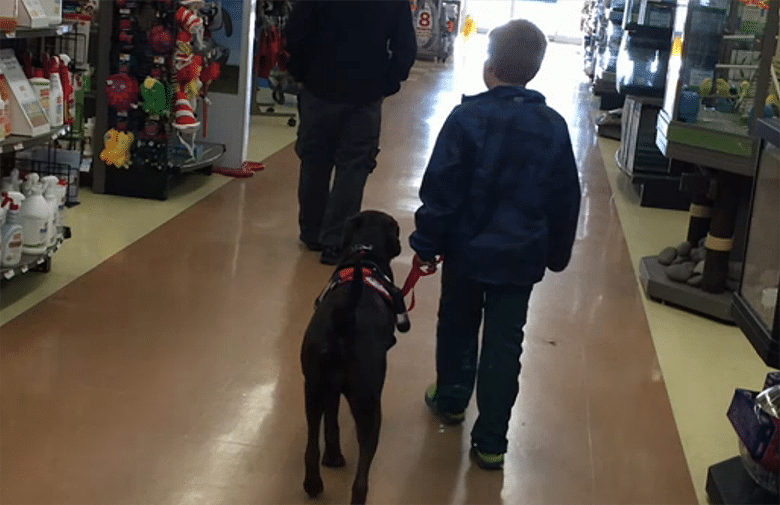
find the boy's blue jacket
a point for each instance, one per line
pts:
(501, 194)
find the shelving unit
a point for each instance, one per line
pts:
(35, 262)
(36, 33)
(703, 123)
(14, 144)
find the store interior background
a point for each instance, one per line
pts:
(701, 360)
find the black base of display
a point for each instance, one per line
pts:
(609, 131)
(139, 182)
(660, 288)
(611, 101)
(661, 193)
(728, 483)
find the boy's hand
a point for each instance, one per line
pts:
(427, 266)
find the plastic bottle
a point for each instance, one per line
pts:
(12, 232)
(31, 179)
(42, 88)
(56, 96)
(12, 182)
(35, 213)
(50, 194)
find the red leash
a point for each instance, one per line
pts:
(418, 270)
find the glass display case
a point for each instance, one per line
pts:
(642, 14)
(644, 50)
(756, 303)
(718, 82)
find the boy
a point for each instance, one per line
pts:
(500, 203)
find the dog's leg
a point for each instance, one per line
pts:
(368, 419)
(332, 457)
(312, 483)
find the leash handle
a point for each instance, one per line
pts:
(419, 269)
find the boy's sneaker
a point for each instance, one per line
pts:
(486, 460)
(450, 418)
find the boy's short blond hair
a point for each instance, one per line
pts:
(516, 51)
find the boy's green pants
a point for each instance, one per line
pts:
(463, 303)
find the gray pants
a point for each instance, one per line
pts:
(332, 135)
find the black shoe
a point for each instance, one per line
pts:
(330, 255)
(311, 245)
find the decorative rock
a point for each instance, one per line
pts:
(680, 273)
(695, 281)
(699, 268)
(698, 254)
(667, 256)
(684, 249)
(732, 285)
(679, 260)
(735, 270)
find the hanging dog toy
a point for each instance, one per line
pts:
(122, 91)
(155, 96)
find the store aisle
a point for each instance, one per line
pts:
(169, 374)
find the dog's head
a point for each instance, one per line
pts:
(375, 230)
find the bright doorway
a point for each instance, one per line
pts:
(560, 19)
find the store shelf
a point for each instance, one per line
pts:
(34, 33)
(208, 154)
(15, 143)
(31, 262)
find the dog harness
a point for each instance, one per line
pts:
(372, 277)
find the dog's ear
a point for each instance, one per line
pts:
(353, 225)
(393, 239)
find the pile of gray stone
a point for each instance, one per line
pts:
(685, 264)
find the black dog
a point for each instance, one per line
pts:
(345, 346)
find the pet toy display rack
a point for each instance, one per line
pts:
(157, 72)
(271, 58)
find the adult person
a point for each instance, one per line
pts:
(348, 56)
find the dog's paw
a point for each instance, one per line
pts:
(313, 486)
(333, 460)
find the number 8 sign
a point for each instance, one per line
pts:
(424, 29)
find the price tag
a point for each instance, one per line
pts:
(57, 134)
(159, 60)
(10, 35)
(18, 147)
(8, 274)
(24, 269)
(60, 30)
(40, 261)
